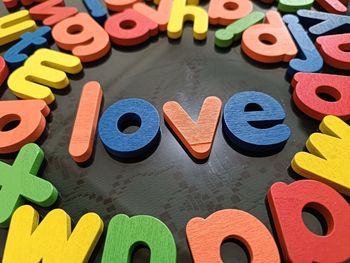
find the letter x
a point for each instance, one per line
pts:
(19, 183)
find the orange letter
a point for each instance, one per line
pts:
(51, 12)
(83, 36)
(280, 45)
(205, 236)
(31, 116)
(83, 135)
(196, 136)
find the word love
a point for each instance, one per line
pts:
(53, 240)
(253, 121)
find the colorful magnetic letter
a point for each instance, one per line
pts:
(280, 45)
(120, 5)
(329, 154)
(334, 6)
(30, 41)
(253, 121)
(52, 240)
(84, 130)
(19, 183)
(309, 86)
(298, 243)
(291, 6)
(45, 68)
(197, 136)
(125, 234)
(4, 71)
(83, 36)
(309, 60)
(226, 36)
(31, 116)
(125, 113)
(51, 12)
(205, 236)
(335, 50)
(325, 23)
(96, 10)
(130, 28)
(12, 26)
(160, 16)
(180, 13)
(224, 12)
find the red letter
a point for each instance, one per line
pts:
(130, 28)
(335, 50)
(298, 243)
(308, 86)
(4, 71)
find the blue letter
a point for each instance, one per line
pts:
(253, 122)
(123, 114)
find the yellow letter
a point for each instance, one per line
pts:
(12, 26)
(181, 12)
(329, 157)
(46, 67)
(52, 240)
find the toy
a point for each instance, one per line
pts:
(120, 5)
(84, 130)
(224, 12)
(253, 122)
(12, 26)
(51, 12)
(326, 161)
(269, 42)
(298, 243)
(324, 23)
(334, 49)
(334, 6)
(292, 6)
(52, 240)
(125, 233)
(205, 236)
(180, 13)
(197, 136)
(96, 10)
(124, 113)
(4, 71)
(13, 3)
(233, 32)
(31, 116)
(130, 28)
(30, 41)
(82, 35)
(45, 67)
(160, 16)
(309, 60)
(309, 87)
(19, 183)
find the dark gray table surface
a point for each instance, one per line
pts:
(169, 184)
